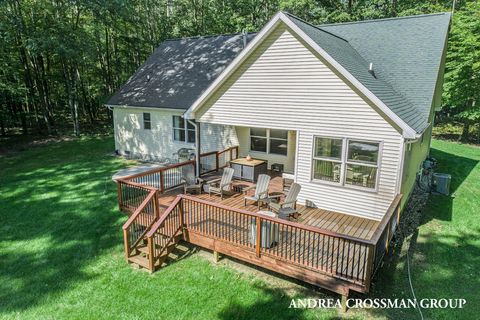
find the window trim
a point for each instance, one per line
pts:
(335, 160)
(185, 129)
(268, 138)
(149, 121)
(344, 162)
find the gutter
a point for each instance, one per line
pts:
(197, 145)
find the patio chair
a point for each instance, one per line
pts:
(261, 190)
(221, 185)
(290, 200)
(190, 181)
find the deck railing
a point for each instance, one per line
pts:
(132, 190)
(140, 222)
(162, 234)
(344, 257)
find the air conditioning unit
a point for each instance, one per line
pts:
(441, 182)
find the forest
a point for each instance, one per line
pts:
(62, 59)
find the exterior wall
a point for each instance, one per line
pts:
(285, 85)
(288, 161)
(415, 154)
(158, 142)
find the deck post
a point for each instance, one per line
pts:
(370, 265)
(151, 258)
(216, 162)
(162, 182)
(258, 237)
(182, 218)
(119, 195)
(216, 256)
(126, 244)
(344, 302)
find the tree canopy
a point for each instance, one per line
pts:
(61, 59)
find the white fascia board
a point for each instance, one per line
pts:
(407, 131)
(116, 106)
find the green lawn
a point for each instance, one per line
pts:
(61, 253)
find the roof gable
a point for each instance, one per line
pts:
(352, 63)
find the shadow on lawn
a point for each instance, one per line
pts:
(60, 213)
(452, 255)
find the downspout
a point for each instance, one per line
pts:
(197, 146)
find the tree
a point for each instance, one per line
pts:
(462, 77)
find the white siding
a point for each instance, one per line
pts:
(158, 142)
(284, 85)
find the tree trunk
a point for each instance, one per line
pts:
(465, 131)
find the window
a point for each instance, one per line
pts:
(258, 140)
(183, 130)
(346, 162)
(270, 141)
(327, 159)
(147, 124)
(278, 143)
(362, 163)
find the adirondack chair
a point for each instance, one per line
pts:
(290, 200)
(221, 185)
(190, 181)
(261, 190)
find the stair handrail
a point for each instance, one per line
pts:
(152, 257)
(134, 217)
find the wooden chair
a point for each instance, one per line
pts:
(221, 185)
(261, 190)
(290, 200)
(190, 181)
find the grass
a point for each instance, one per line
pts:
(61, 249)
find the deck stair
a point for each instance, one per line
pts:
(152, 234)
(140, 255)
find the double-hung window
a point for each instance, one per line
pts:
(183, 131)
(270, 141)
(346, 161)
(147, 123)
(327, 159)
(362, 163)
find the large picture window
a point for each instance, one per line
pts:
(183, 130)
(346, 161)
(270, 141)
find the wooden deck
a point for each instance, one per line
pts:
(315, 217)
(336, 251)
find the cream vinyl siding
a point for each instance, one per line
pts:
(414, 157)
(158, 142)
(284, 85)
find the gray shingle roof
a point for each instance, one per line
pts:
(406, 53)
(179, 71)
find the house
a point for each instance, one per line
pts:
(346, 108)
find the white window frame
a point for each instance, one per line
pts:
(344, 161)
(335, 160)
(184, 128)
(268, 138)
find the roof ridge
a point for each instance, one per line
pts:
(209, 36)
(314, 26)
(384, 19)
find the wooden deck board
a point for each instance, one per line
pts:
(316, 217)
